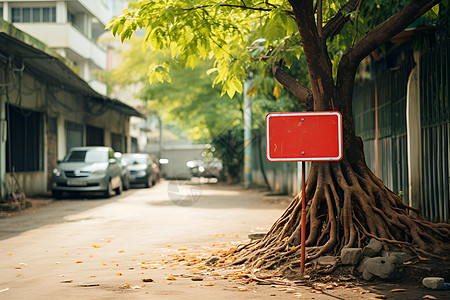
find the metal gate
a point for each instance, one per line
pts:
(435, 120)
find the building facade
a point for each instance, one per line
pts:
(71, 28)
(46, 108)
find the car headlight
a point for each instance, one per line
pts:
(56, 172)
(141, 173)
(99, 172)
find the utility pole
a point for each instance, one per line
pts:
(247, 135)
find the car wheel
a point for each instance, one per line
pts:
(148, 184)
(57, 194)
(109, 190)
(126, 184)
(118, 190)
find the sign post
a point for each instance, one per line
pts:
(304, 136)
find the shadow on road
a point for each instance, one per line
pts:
(30, 219)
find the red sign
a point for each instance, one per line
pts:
(304, 136)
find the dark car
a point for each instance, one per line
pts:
(87, 169)
(142, 168)
(124, 171)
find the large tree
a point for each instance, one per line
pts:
(346, 203)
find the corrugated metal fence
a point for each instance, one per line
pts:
(435, 120)
(388, 90)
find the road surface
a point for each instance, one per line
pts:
(105, 248)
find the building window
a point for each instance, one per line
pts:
(94, 136)
(1, 12)
(116, 142)
(74, 135)
(134, 145)
(33, 14)
(25, 140)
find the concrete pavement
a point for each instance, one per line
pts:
(105, 248)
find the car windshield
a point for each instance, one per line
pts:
(135, 160)
(88, 156)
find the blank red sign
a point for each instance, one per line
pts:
(304, 136)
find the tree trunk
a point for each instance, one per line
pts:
(347, 204)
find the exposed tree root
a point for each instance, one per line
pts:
(347, 206)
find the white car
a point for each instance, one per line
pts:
(87, 169)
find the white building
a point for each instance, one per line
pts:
(71, 27)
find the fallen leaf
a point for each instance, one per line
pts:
(197, 278)
(429, 297)
(19, 275)
(397, 290)
(242, 289)
(121, 251)
(182, 249)
(88, 284)
(126, 284)
(96, 246)
(423, 258)
(91, 256)
(119, 274)
(209, 284)
(18, 268)
(10, 254)
(93, 276)
(170, 277)
(79, 262)
(67, 281)
(147, 280)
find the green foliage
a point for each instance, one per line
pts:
(200, 30)
(190, 101)
(225, 31)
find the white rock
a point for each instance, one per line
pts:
(434, 283)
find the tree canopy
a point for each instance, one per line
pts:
(238, 34)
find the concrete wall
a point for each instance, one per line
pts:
(66, 36)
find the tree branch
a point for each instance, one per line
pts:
(301, 92)
(371, 41)
(335, 25)
(319, 18)
(389, 28)
(235, 6)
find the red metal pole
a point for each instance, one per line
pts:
(377, 168)
(303, 233)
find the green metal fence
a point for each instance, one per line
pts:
(435, 121)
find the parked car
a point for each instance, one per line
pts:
(200, 168)
(87, 169)
(124, 171)
(142, 168)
